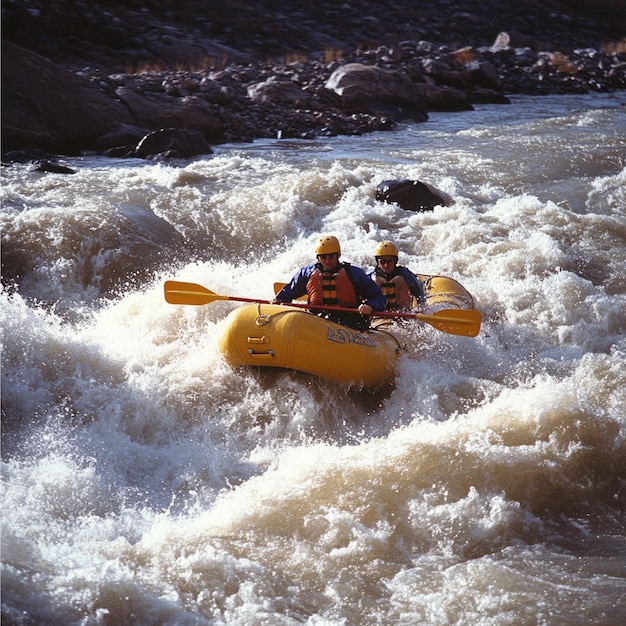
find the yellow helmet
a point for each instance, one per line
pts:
(327, 244)
(386, 248)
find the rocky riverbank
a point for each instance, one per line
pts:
(161, 80)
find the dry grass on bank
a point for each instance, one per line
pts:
(613, 47)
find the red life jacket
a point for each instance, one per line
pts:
(395, 289)
(332, 288)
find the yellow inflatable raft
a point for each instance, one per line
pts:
(445, 293)
(269, 335)
(288, 336)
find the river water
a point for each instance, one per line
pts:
(146, 482)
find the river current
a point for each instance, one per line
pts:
(144, 481)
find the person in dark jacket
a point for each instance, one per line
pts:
(398, 283)
(333, 283)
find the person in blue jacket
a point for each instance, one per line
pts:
(333, 283)
(398, 283)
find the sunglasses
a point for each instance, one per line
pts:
(385, 261)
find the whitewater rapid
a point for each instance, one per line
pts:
(146, 482)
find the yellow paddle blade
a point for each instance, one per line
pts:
(279, 286)
(177, 292)
(465, 322)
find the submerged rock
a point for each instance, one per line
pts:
(52, 166)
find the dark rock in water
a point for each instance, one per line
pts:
(411, 195)
(170, 143)
(40, 161)
(52, 166)
(443, 98)
(121, 142)
(28, 155)
(487, 96)
(121, 135)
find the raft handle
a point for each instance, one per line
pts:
(262, 339)
(261, 355)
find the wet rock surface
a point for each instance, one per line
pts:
(411, 195)
(102, 76)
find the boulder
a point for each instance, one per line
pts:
(487, 96)
(179, 143)
(47, 107)
(159, 110)
(369, 89)
(484, 74)
(514, 39)
(122, 135)
(411, 195)
(443, 98)
(278, 91)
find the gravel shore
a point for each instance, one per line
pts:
(241, 70)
